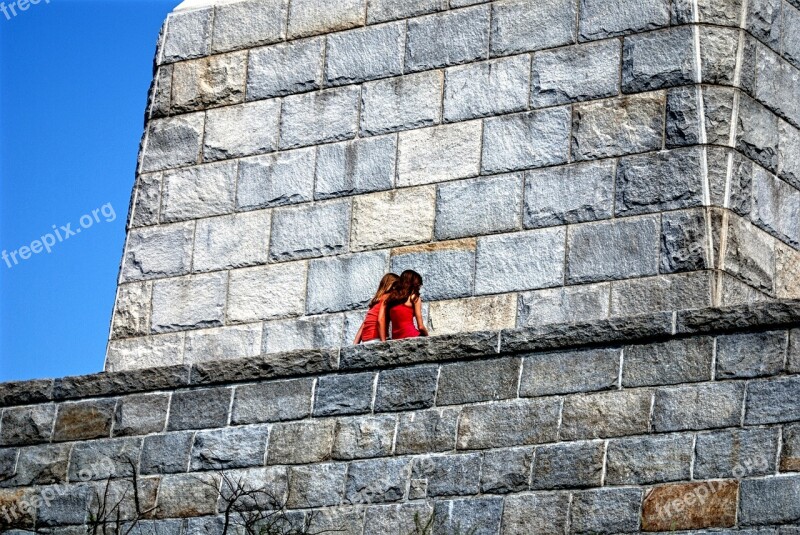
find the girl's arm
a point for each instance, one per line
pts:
(359, 334)
(418, 315)
(383, 325)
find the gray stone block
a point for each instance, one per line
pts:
(132, 310)
(757, 133)
(536, 514)
(736, 453)
(161, 251)
(403, 518)
(448, 273)
(301, 442)
(187, 495)
(146, 206)
(406, 388)
(226, 242)
(677, 361)
(610, 414)
(508, 423)
(316, 485)
(605, 510)
(272, 401)
(478, 516)
(166, 453)
(326, 231)
(222, 449)
(104, 459)
(308, 17)
(704, 406)
(202, 191)
(248, 23)
(478, 206)
(143, 352)
(365, 54)
(718, 49)
(793, 360)
(344, 394)
(27, 425)
(469, 382)
(684, 241)
(568, 304)
(354, 167)
(438, 154)
(187, 35)
(319, 117)
(682, 120)
(751, 354)
(276, 179)
(762, 20)
(190, 302)
(648, 460)
(601, 18)
(533, 139)
(364, 436)
(209, 82)
(303, 333)
(447, 39)
(583, 72)
(788, 146)
(377, 481)
(569, 194)
(82, 420)
(448, 475)
(197, 409)
(172, 142)
(772, 500)
(385, 10)
(401, 103)
(750, 255)
(513, 19)
(665, 180)
(612, 250)
(506, 471)
(487, 88)
(772, 401)
(344, 282)
(572, 465)
(242, 130)
(36, 465)
(656, 60)
(285, 68)
(776, 206)
(790, 34)
(426, 431)
(269, 292)
(520, 261)
(724, 12)
(565, 372)
(141, 414)
(68, 507)
(624, 125)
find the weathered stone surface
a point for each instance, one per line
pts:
(285, 68)
(565, 372)
(401, 103)
(609, 414)
(612, 250)
(762, 20)
(750, 255)
(17, 501)
(655, 60)
(447, 39)
(268, 292)
(83, 420)
(736, 453)
(36, 465)
(788, 146)
(122, 382)
(241, 130)
(276, 180)
(308, 17)
(426, 431)
(682, 120)
(615, 127)
(793, 360)
(303, 333)
(776, 207)
(680, 506)
(161, 251)
(599, 18)
(27, 425)
(319, 117)
(508, 423)
(402, 518)
(237, 447)
(704, 406)
(505, 471)
(187, 35)
(513, 19)
(226, 242)
(365, 54)
(790, 34)
(440, 153)
(209, 82)
(725, 12)
(486, 88)
(757, 133)
(344, 394)
(775, 81)
(647, 460)
(316, 438)
(376, 481)
(771, 500)
(248, 23)
(104, 459)
(677, 361)
(605, 510)
(166, 453)
(132, 310)
(446, 269)
(354, 167)
(144, 352)
(362, 437)
(532, 139)
(141, 414)
(346, 520)
(344, 282)
(406, 388)
(536, 514)
(520, 261)
(468, 382)
(190, 302)
(787, 272)
(790, 449)
(666, 180)
(570, 465)
(718, 48)
(563, 305)
(201, 191)
(480, 516)
(69, 507)
(479, 206)
(751, 354)
(186, 495)
(385, 10)
(325, 227)
(569, 194)
(685, 241)
(172, 142)
(197, 409)
(371, 212)
(772, 401)
(146, 205)
(449, 475)
(571, 74)
(272, 401)
(486, 313)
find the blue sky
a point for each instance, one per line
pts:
(74, 76)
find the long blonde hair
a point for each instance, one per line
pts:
(383, 288)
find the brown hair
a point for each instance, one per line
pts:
(407, 286)
(383, 288)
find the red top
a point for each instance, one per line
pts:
(370, 331)
(402, 318)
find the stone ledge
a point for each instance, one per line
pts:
(453, 347)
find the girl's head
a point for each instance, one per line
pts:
(407, 286)
(383, 288)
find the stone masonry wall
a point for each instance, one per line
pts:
(663, 422)
(537, 161)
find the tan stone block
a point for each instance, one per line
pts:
(708, 504)
(787, 272)
(473, 314)
(144, 352)
(393, 218)
(208, 82)
(132, 310)
(440, 153)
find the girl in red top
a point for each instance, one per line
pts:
(404, 305)
(369, 328)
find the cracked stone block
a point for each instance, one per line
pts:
(172, 142)
(191, 302)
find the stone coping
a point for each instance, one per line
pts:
(462, 346)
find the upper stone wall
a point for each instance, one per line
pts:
(537, 161)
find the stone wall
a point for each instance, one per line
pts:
(536, 160)
(662, 422)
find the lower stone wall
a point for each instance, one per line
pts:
(671, 421)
